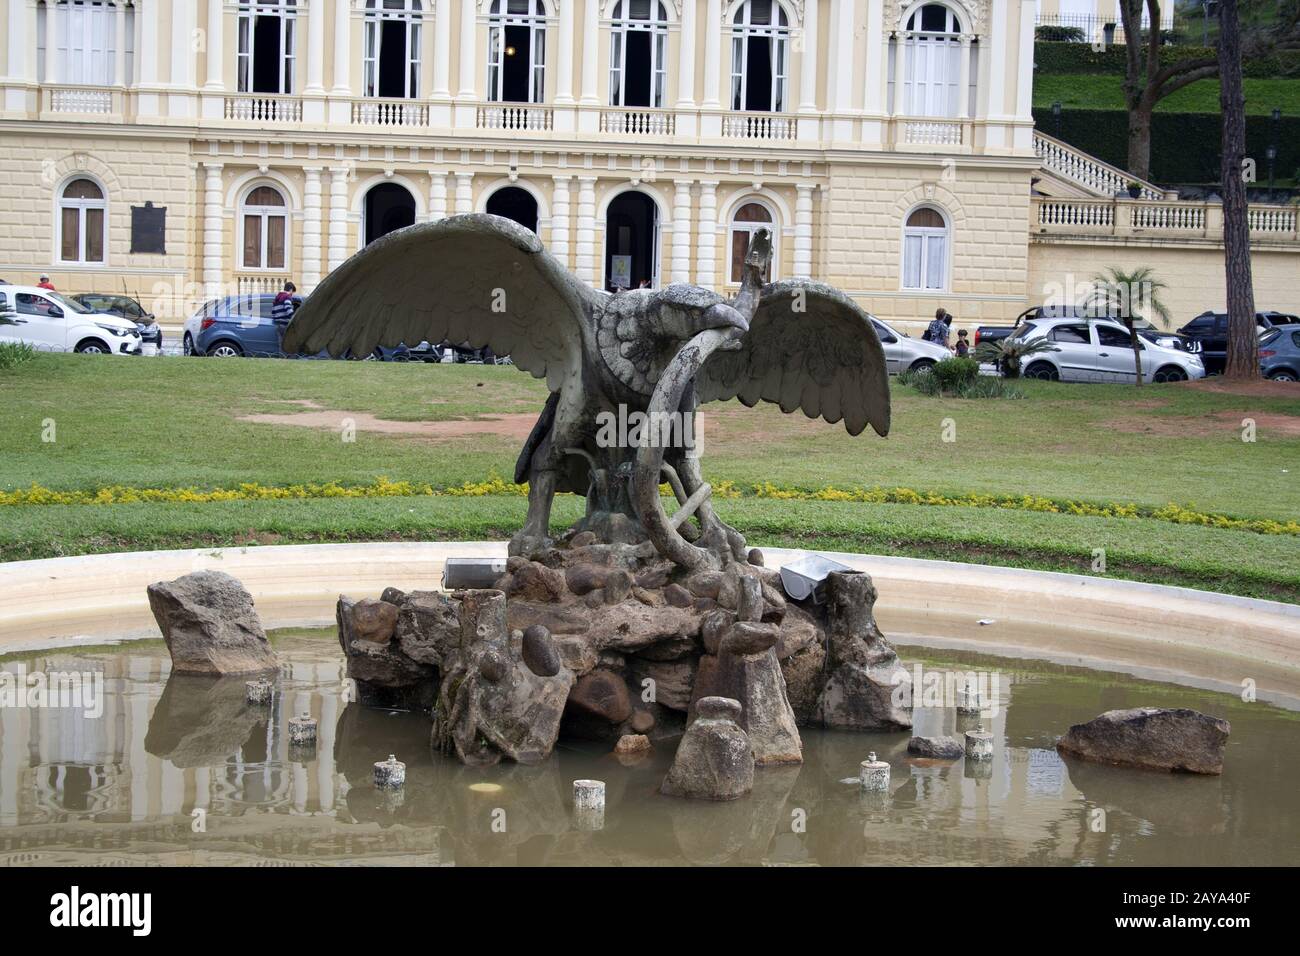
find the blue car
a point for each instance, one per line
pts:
(237, 325)
(1279, 353)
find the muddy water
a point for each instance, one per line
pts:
(181, 771)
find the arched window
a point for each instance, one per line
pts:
(264, 227)
(638, 52)
(517, 51)
(391, 57)
(760, 34)
(84, 35)
(925, 250)
(933, 68)
(266, 53)
(749, 218)
(82, 218)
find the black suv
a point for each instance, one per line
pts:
(124, 307)
(1210, 329)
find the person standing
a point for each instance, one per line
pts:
(937, 331)
(45, 283)
(283, 308)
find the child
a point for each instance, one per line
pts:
(963, 344)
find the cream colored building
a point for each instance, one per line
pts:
(888, 144)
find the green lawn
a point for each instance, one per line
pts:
(176, 422)
(1105, 92)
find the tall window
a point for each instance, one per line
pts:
(392, 48)
(760, 34)
(517, 51)
(85, 35)
(264, 225)
(748, 219)
(637, 53)
(925, 250)
(81, 222)
(266, 45)
(933, 68)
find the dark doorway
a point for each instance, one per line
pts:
(631, 230)
(758, 74)
(267, 55)
(392, 59)
(514, 64)
(515, 204)
(636, 81)
(388, 207)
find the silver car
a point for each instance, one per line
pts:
(1100, 350)
(903, 352)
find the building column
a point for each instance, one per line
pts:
(442, 53)
(338, 225)
(803, 230)
(468, 49)
(311, 229)
(464, 193)
(585, 266)
(1025, 64)
(681, 256)
(808, 61)
(119, 46)
(214, 272)
(997, 58)
(315, 50)
(900, 66)
(342, 48)
(437, 196)
(707, 242)
(963, 79)
(183, 79)
(559, 245)
(686, 59)
(54, 13)
(712, 54)
(590, 48)
(564, 59)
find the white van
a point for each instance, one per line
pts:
(54, 323)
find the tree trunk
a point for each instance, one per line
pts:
(1139, 140)
(1243, 344)
(1136, 344)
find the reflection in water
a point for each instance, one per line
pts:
(123, 788)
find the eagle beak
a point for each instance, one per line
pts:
(721, 315)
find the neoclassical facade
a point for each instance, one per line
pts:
(174, 149)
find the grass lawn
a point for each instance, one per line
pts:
(178, 422)
(1105, 92)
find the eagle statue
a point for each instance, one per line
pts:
(482, 280)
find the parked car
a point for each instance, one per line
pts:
(1147, 331)
(1100, 350)
(125, 307)
(234, 325)
(1210, 330)
(1279, 353)
(49, 321)
(903, 352)
(991, 333)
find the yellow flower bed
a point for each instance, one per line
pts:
(497, 487)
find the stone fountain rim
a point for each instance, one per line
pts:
(97, 599)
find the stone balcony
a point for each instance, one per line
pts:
(1164, 220)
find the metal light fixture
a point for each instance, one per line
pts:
(510, 51)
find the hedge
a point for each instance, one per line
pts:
(1184, 146)
(1064, 58)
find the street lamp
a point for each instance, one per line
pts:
(1056, 116)
(1271, 152)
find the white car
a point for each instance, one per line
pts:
(54, 323)
(1100, 350)
(902, 352)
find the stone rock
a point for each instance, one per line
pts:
(673, 679)
(748, 637)
(941, 748)
(374, 621)
(210, 626)
(648, 598)
(585, 578)
(618, 586)
(642, 721)
(804, 674)
(1153, 737)
(583, 539)
(671, 649)
(204, 721)
(705, 584)
(534, 581)
(385, 676)
(714, 760)
(749, 599)
(798, 630)
(633, 744)
(713, 626)
(860, 693)
(392, 595)
(602, 694)
(577, 655)
(490, 705)
(756, 682)
(428, 626)
(678, 596)
(539, 652)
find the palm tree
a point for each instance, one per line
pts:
(1007, 353)
(1137, 297)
